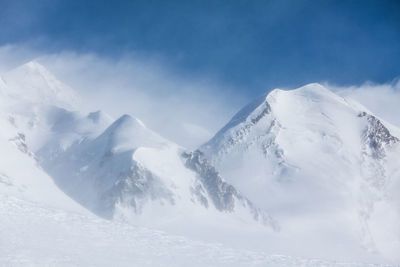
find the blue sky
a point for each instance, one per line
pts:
(253, 45)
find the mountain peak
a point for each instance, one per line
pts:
(311, 108)
(128, 133)
(261, 106)
(313, 91)
(31, 68)
(314, 88)
(32, 82)
(126, 123)
(33, 64)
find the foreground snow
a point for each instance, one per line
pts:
(35, 235)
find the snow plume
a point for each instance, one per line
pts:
(186, 110)
(382, 99)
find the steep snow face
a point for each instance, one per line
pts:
(308, 154)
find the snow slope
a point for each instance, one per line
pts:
(36, 235)
(321, 164)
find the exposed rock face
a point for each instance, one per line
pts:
(224, 196)
(20, 142)
(376, 139)
(376, 136)
(133, 188)
(221, 193)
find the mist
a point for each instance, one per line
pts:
(185, 109)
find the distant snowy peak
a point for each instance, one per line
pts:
(32, 82)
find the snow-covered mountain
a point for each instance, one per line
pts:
(320, 163)
(324, 168)
(116, 169)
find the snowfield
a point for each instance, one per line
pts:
(33, 235)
